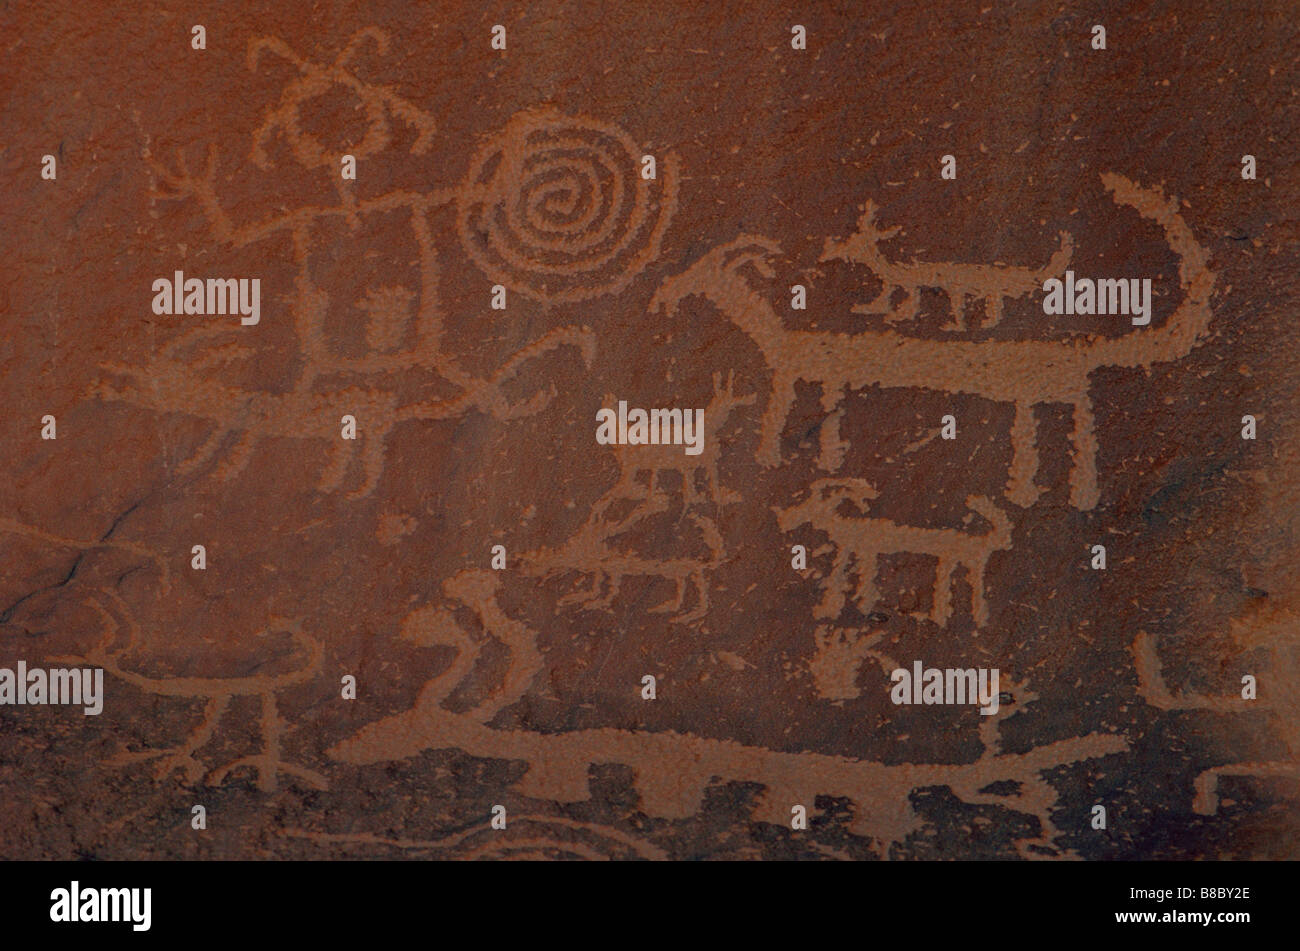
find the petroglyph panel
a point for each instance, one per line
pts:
(358, 571)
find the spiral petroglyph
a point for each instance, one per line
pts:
(556, 207)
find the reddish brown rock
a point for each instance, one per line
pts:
(523, 168)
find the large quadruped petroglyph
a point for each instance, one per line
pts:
(1026, 373)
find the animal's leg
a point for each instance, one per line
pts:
(651, 505)
(717, 493)
(958, 302)
(836, 584)
(652, 488)
(1024, 456)
(941, 613)
(333, 475)
(593, 598)
(906, 311)
(830, 435)
(267, 766)
(577, 596)
(205, 451)
(832, 397)
(602, 504)
(774, 417)
(182, 757)
(678, 599)
(649, 501)
(309, 776)
(693, 616)
(993, 307)
(237, 460)
(621, 489)
(268, 763)
(612, 584)
(428, 320)
(866, 594)
(1084, 492)
(690, 493)
(702, 598)
(978, 607)
(910, 304)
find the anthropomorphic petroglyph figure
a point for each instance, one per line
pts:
(1027, 373)
(121, 639)
(404, 324)
(860, 540)
(379, 104)
(963, 283)
(656, 459)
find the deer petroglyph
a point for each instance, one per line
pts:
(963, 282)
(655, 459)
